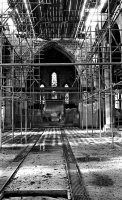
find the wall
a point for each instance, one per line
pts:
(89, 115)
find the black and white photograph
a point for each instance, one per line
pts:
(60, 99)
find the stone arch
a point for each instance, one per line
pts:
(58, 47)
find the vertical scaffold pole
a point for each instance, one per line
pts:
(1, 87)
(30, 100)
(1, 107)
(26, 107)
(21, 82)
(33, 119)
(86, 96)
(82, 100)
(13, 95)
(12, 81)
(92, 83)
(99, 102)
(92, 99)
(86, 100)
(99, 82)
(21, 105)
(111, 86)
(99, 73)
(80, 110)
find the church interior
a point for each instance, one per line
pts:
(61, 60)
(60, 71)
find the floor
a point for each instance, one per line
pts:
(99, 159)
(100, 162)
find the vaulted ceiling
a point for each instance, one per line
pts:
(48, 19)
(58, 18)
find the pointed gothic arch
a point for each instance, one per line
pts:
(59, 48)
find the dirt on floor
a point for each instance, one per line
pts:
(6, 157)
(101, 169)
(100, 164)
(41, 171)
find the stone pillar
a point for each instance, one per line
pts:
(80, 106)
(107, 124)
(9, 110)
(8, 106)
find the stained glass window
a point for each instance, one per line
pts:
(66, 95)
(42, 85)
(54, 80)
(54, 84)
(42, 97)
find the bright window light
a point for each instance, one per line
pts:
(4, 8)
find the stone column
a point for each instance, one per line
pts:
(107, 100)
(8, 106)
(107, 124)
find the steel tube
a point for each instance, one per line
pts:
(58, 64)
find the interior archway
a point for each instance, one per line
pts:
(54, 111)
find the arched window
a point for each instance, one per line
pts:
(42, 85)
(54, 79)
(66, 86)
(54, 84)
(42, 97)
(66, 95)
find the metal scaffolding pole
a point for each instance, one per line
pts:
(86, 100)
(82, 99)
(92, 98)
(90, 46)
(21, 124)
(25, 101)
(111, 85)
(86, 64)
(21, 82)
(33, 97)
(92, 83)
(12, 100)
(80, 103)
(0, 107)
(99, 102)
(26, 105)
(30, 102)
(1, 45)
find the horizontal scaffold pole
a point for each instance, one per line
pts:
(58, 64)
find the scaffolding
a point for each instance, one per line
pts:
(96, 38)
(102, 44)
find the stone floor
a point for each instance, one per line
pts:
(99, 160)
(100, 163)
